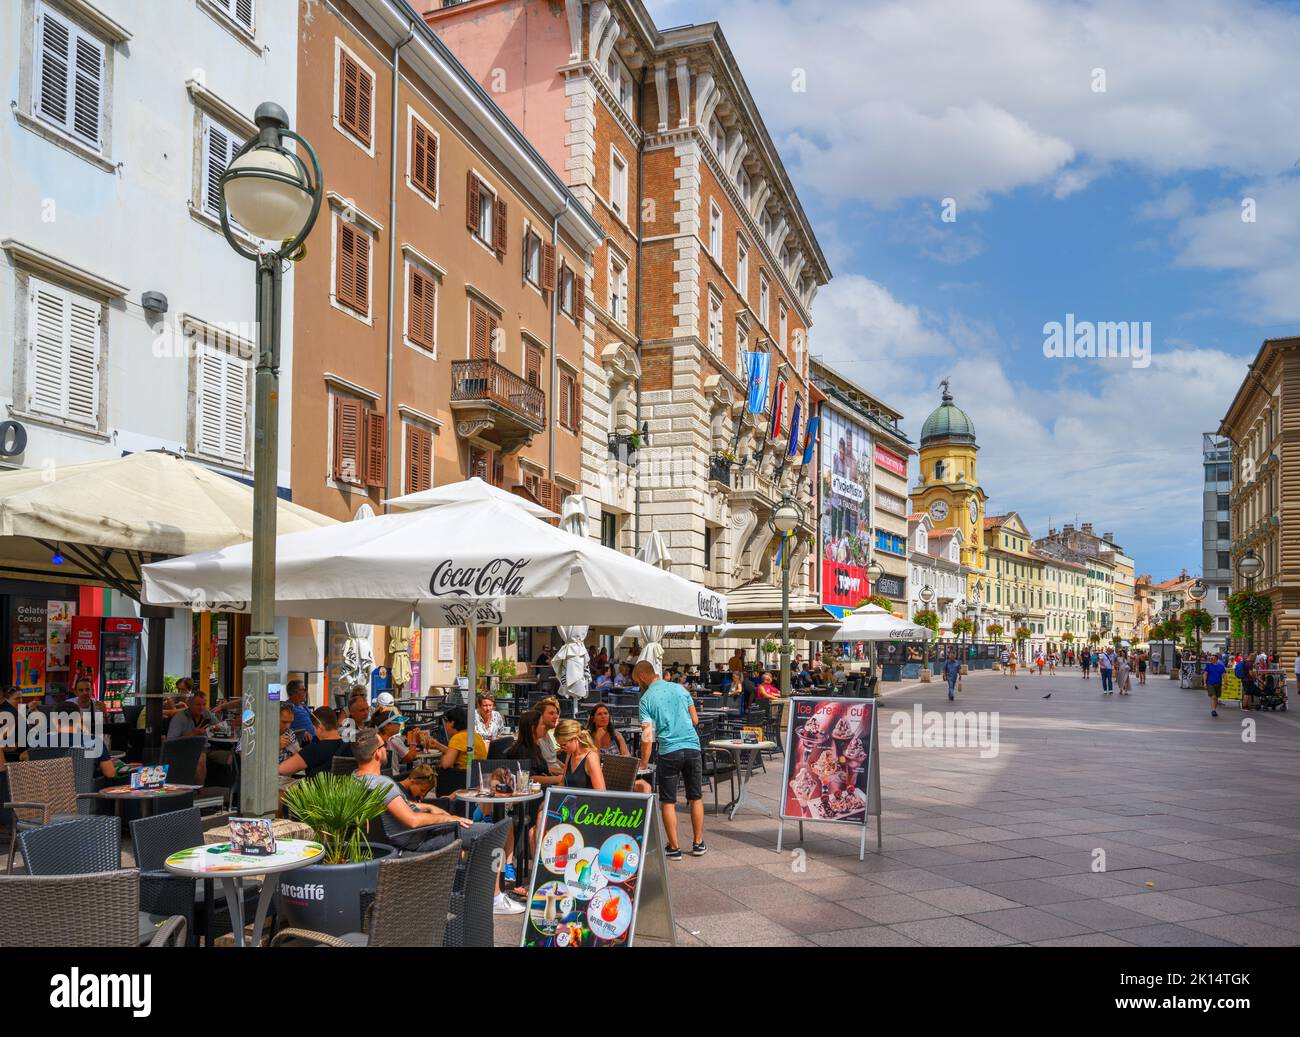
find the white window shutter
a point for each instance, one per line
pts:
(243, 13)
(48, 350)
(54, 41)
(83, 361)
(89, 86)
(236, 409)
(222, 412)
(69, 86)
(216, 156)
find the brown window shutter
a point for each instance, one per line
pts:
(419, 158)
(347, 439)
(480, 334)
(361, 258)
(349, 74)
(533, 365)
(566, 398)
(471, 204)
(576, 418)
(365, 100)
(426, 459)
(431, 163)
(579, 298)
(498, 470)
(376, 444)
(499, 228)
(548, 267)
(420, 310)
(419, 458)
(345, 266)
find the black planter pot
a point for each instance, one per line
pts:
(326, 898)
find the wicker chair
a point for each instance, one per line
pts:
(153, 840)
(620, 772)
(77, 846)
(42, 791)
(97, 910)
(412, 898)
(471, 921)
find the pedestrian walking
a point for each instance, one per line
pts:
(1051, 664)
(1123, 673)
(668, 717)
(1106, 664)
(1214, 671)
(1040, 661)
(1005, 660)
(1085, 662)
(1142, 668)
(1014, 661)
(952, 673)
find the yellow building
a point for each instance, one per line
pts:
(1013, 581)
(949, 487)
(1065, 602)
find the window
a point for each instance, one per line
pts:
(572, 293)
(609, 530)
(422, 158)
(798, 351)
(715, 231)
(620, 82)
(68, 78)
(359, 443)
(1221, 502)
(1223, 593)
(715, 321)
(1224, 561)
(485, 216)
(618, 184)
(419, 457)
(742, 268)
(570, 409)
(484, 328)
(617, 288)
(352, 267)
(421, 308)
(708, 548)
(718, 138)
(742, 348)
(743, 184)
(533, 364)
(238, 11)
(64, 354)
(783, 326)
(354, 97)
(539, 261)
(219, 146)
(1223, 532)
(764, 299)
(223, 378)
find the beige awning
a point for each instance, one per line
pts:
(106, 518)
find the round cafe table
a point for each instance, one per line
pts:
(217, 862)
(119, 794)
(745, 754)
(521, 826)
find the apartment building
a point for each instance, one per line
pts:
(444, 294)
(934, 561)
(1065, 596)
(1014, 580)
(708, 257)
(1216, 536)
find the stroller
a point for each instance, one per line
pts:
(1269, 690)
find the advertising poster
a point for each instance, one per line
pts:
(27, 635)
(589, 869)
(1231, 690)
(58, 644)
(845, 512)
(85, 650)
(828, 760)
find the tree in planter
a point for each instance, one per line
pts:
(1245, 609)
(1195, 623)
(1023, 634)
(929, 619)
(996, 630)
(879, 600)
(338, 808)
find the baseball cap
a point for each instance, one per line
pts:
(384, 698)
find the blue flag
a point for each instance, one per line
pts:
(757, 363)
(810, 439)
(793, 449)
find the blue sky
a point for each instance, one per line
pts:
(1115, 204)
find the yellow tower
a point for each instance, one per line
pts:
(949, 486)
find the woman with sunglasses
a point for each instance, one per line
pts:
(600, 729)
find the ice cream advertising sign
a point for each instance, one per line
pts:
(593, 852)
(828, 758)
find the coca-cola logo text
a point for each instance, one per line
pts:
(710, 606)
(498, 578)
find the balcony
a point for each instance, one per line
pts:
(495, 404)
(623, 446)
(720, 469)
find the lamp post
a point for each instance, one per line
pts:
(271, 194)
(926, 594)
(874, 572)
(785, 520)
(1248, 567)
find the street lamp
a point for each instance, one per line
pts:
(785, 520)
(271, 194)
(926, 594)
(1248, 567)
(1197, 593)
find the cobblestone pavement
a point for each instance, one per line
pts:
(1200, 830)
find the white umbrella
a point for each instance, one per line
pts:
(571, 663)
(654, 551)
(474, 489)
(872, 623)
(467, 565)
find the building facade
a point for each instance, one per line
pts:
(935, 563)
(1065, 596)
(1108, 571)
(1216, 536)
(1014, 581)
(129, 320)
(443, 291)
(707, 258)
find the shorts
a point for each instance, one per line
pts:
(1213, 690)
(686, 763)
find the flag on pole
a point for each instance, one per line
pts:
(810, 438)
(778, 404)
(757, 364)
(793, 449)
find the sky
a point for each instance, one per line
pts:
(1110, 160)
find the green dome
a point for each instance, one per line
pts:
(948, 421)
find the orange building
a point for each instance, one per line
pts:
(439, 313)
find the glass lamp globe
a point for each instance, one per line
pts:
(270, 199)
(786, 517)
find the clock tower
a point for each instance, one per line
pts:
(949, 488)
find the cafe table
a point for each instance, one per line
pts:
(745, 754)
(218, 862)
(119, 794)
(518, 803)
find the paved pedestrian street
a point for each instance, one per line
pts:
(1200, 833)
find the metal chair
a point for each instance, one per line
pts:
(182, 758)
(620, 772)
(343, 763)
(471, 921)
(412, 898)
(77, 846)
(718, 763)
(153, 840)
(42, 791)
(96, 910)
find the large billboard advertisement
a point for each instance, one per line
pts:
(846, 461)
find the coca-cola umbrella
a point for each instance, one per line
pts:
(470, 564)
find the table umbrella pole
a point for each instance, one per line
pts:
(471, 669)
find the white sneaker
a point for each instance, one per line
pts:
(503, 905)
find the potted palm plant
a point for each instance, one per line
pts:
(325, 897)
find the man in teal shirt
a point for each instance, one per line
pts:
(668, 716)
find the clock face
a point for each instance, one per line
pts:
(939, 510)
(974, 511)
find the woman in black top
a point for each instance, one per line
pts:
(582, 768)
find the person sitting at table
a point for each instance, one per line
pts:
(358, 716)
(414, 826)
(318, 754)
(766, 690)
(802, 679)
(288, 739)
(601, 680)
(196, 720)
(388, 722)
(456, 751)
(624, 676)
(543, 657)
(582, 768)
(488, 723)
(417, 785)
(600, 729)
(303, 727)
(529, 747)
(744, 687)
